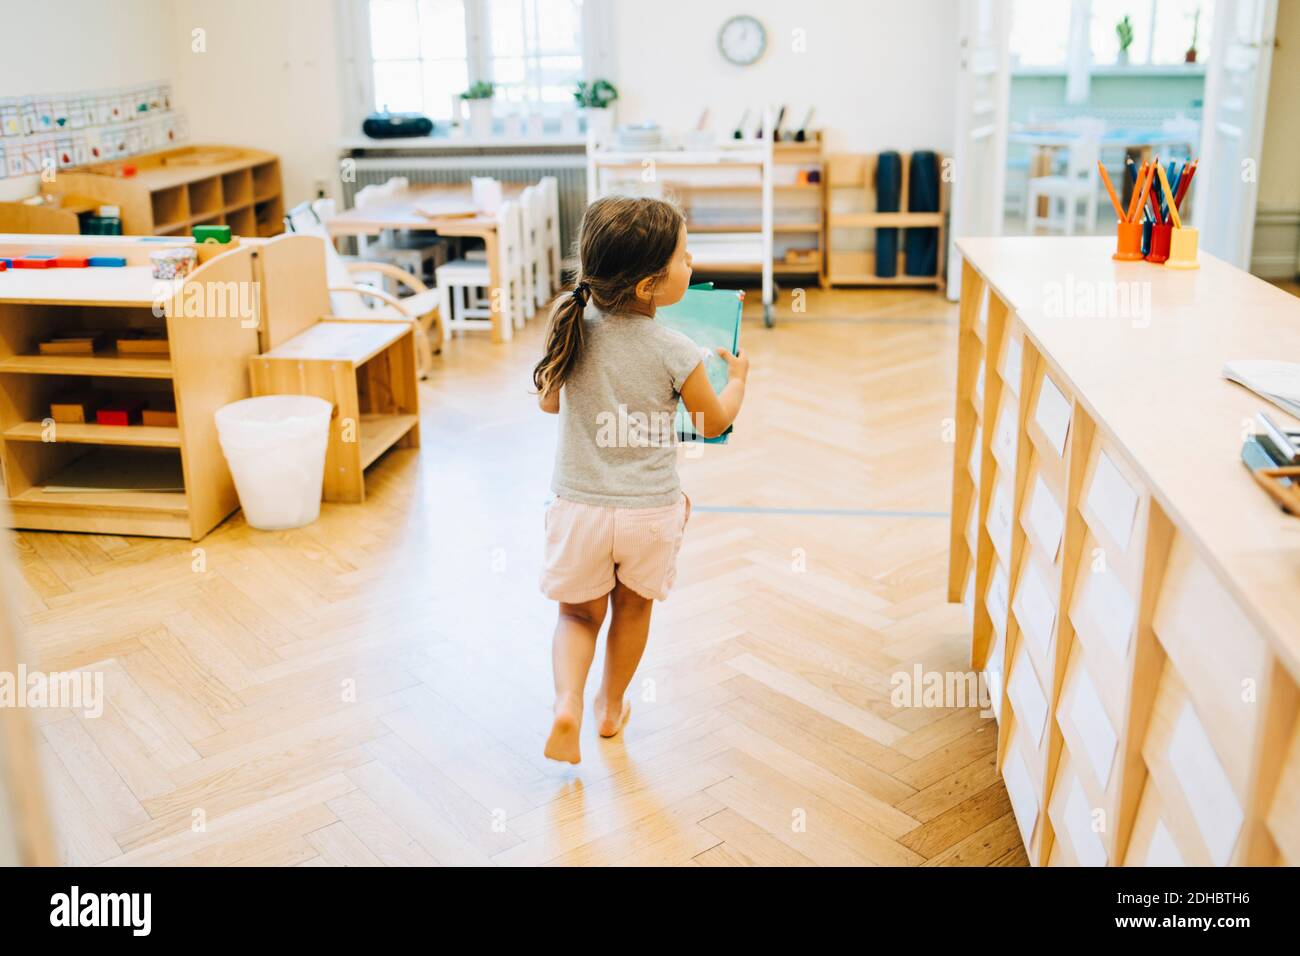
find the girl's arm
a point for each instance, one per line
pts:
(550, 403)
(713, 412)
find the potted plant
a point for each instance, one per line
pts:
(594, 101)
(1124, 31)
(1190, 55)
(479, 99)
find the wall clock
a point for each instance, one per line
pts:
(742, 40)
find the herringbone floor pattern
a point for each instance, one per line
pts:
(375, 688)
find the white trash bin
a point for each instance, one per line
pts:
(275, 446)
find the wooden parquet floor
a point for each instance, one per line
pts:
(375, 688)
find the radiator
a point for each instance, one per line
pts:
(569, 170)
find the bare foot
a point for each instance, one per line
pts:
(608, 725)
(563, 742)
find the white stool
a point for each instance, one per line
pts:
(463, 305)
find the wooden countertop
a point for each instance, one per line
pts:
(1158, 389)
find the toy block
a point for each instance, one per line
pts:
(120, 413)
(71, 262)
(108, 261)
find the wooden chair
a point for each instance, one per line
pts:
(353, 299)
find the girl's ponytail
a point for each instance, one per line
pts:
(563, 341)
(622, 240)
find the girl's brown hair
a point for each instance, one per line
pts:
(622, 240)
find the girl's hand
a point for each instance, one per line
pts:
(737, 365)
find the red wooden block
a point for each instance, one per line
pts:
(26, 263)
(71, 262)
(3, 265)
(120, 413)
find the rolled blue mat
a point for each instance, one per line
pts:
(921, 246)
(889, 189)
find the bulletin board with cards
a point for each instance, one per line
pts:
(43, 133)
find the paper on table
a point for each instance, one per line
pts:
(1279, 382)
(1027, 696)
(1078, 820)
(1205, 785)
(1053, 414)
(1113, 500)
(1112, 610)
(1034, 609)
(1046, 518)
(1163, 851)
(1020, 788)
(1088, 715)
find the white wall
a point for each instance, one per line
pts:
(65, 46)
(268, 78)
(881, 73)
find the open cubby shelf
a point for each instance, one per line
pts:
(174, 190)
(1115, 647)
(206, 368)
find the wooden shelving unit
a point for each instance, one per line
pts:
(1129, 592)
(206, 368)
(851, 204)
(737, 167)
(175, 190)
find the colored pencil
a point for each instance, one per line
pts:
(1181, 190)
(1172, 172)
(1146, 185)
(1169, 197)
(1110, 190)
(1133, 204)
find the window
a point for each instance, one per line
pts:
(1077, 34)
(424, 53)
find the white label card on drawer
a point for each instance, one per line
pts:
(1163, 851)
(1004, 435)
(1206, 786)
(1046, 518)
(1027, 697)
(1113, 500)
(997, 601)
(1053, 414)
(1088, 715)
(1000, 520)
(1078, 820)
(1011, 364)
(1108, 604)
(1020, 788)
(1035, 610)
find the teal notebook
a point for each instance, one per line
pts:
(710, 318)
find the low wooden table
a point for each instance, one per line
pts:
(446, 210)
(367, 371)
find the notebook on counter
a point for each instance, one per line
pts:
(1279, 382)
(710, 318)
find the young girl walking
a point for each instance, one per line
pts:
(614, 375)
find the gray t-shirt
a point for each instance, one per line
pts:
(617, 408)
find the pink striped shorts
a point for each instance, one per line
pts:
(588, 546)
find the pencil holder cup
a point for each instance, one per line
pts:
(1146, 235)
(1159, 248)
(1128, 240)
(1183, 245)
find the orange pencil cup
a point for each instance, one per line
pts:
(1159, 249)
(1183, 246)
(1128, 240)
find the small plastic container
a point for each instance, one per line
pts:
(1128, 241)
(174, 263)
(275, 446)
(1184, 245)
(1159, 250)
